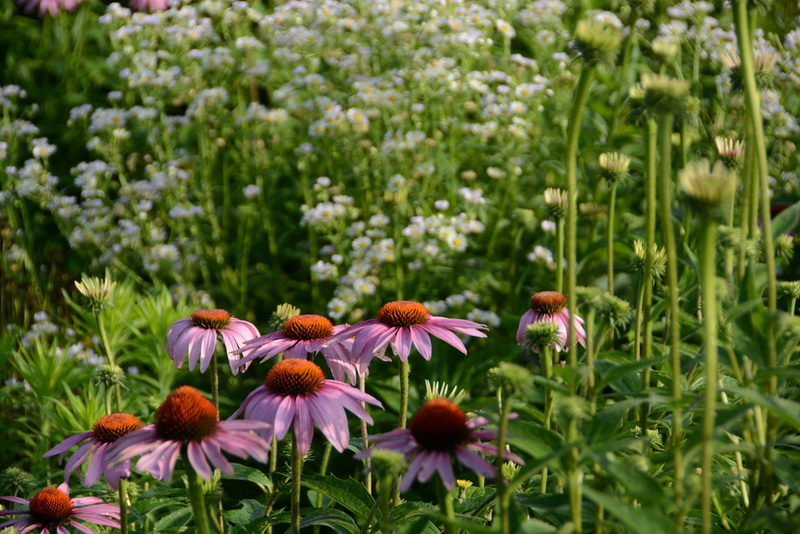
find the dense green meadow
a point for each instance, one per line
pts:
(468, 177)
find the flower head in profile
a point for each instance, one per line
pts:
(96, 444)
(296, 394)
(51, 510)
(52, 7)
(551, 306)
(187, 418)
(300, 336)
(197, 337)
(438, 433)
(404, 324)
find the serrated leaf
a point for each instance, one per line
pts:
(250, 511)
(175, 519)
(533, 439)
(331, 518)
(348, 493)
(614, 373)
(638, 520)
(250, 474)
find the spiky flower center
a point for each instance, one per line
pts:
(440, 425)
(186, 415)
(110, 428)
(293, 377)
(51, 507)
(211, 319)
(548, 302)
(307, 327)
(403, 313)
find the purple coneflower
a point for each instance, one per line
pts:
(438, 432)
(51, 510)
(105, 432)
(550, 306)
(197, 337)
(47, 6)
(149, 5)
(405, 324)
(296, 394)
(300, 336)
(187, 418)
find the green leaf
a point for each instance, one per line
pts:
(250, 474)
(786, 409)
(420, 526)
(786, 221)
(175, 519)
(348, 493)
(534, 526)
(250, 511)
(336, 520)
(533, 439)
(617, 372)
(638, 520)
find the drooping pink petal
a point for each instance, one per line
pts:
(475, 462)
(445, 335)
(528, 318)
(67, 444)
(216, 458)
(413, 469)
(284, 416)
(209, 345)
(198, 460)
(332, 422)
(303, 425)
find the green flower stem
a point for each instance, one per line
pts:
(384, 495)
(549, 394)
(627, 49)
(196, 498)
(123, 505)
(792, 305)
(560, 255)
(753, 108)
(405, 370)
(109, 356)
(590, 347)
(573, 133)
(708, 284)
(612, 201)
(668, 232)
(323, 469)
(574, 477)
(501, 487)
(297, 472)
(654, 131)
(446, 507)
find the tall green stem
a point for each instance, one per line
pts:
(612, 202)
(560, 255)
(215, 382)
(109, 355)
(708, 278)
(582, 91)
(196, 498)
(753, 107)
(405, 370)
(446, 507)
(362, 385)
(549, 394)
(654, 131)
(668, 233)
(503, 495)
(123, 505)
(574, 477)
(297, 472)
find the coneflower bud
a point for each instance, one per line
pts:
(614, 166)
(659, 259)
(668, 50)
(730, 151)
(789, 289)
(596, 42)
(784, 247)
(541, 335)
(387, 463)
(96, 291)
(617, 312)
(556, 201)
(109, 375)
(571, 407)
(708, 190)
(588, 297)
(592, 211)
(525, 217)
(16, 481)
(282, 313)
(509, 470)
(729, 237)
(764, 64)
(510, 377)
(664, 94)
